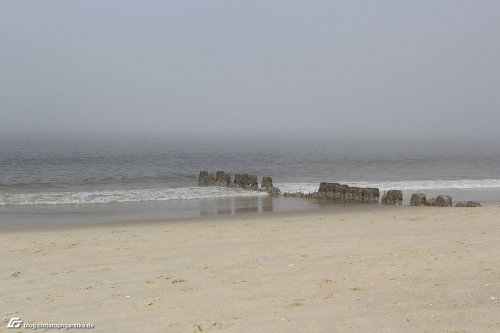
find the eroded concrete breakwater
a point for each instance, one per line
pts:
(241, 180)
(344, 194)
(341, 194)
(333, 192)
(419, 199)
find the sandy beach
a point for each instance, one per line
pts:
(380, 269)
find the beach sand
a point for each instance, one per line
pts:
(380, 269)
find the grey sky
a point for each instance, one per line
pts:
(256, 67)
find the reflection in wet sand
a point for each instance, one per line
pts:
(247, 205)
(38, 215)
(228, 206)
(267, 204)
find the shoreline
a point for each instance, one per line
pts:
(321, 209)
(311, 207)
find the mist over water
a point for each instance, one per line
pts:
(119, 105)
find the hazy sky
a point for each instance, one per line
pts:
(365, 68)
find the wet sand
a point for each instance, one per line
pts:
(391, 269)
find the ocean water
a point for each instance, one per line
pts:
(93, 174)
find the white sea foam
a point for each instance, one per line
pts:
(186, 193)
(123, 196)
(401, 185)
(297, 187)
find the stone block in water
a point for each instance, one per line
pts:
(353, 195)
(443, 201)
(246, 181)
(266, 182)
(371, 195)
(418, 199)
(392, 197)
(222, 179)
(206, 178)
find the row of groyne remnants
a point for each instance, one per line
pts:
(241, 180)
(332, 192)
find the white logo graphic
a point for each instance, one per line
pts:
(15, 322)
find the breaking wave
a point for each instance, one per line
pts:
(123, 196)
(195, 192)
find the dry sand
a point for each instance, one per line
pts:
(394, 269)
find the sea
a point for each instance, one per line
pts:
(95, 179)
